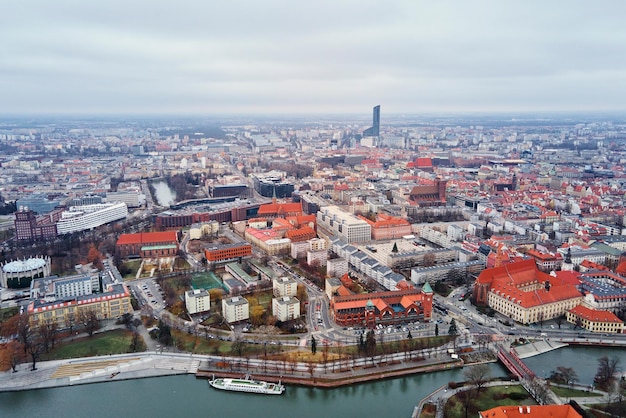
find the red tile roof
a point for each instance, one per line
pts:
(147, 237)
(531, 411)
(594, 315)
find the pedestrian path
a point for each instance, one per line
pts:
(76, 369)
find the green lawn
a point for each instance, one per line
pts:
(133, 265)
(487, 399)
(112, 342)
(572, 393)
(7, 313)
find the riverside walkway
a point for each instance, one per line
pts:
(151, 364)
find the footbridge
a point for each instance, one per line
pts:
(514, 364)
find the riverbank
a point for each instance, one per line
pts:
(101, 369)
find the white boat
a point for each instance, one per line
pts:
(247, 384)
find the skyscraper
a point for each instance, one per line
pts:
(375, 129)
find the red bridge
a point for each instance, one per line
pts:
(514, 364)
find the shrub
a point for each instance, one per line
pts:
(517, 396)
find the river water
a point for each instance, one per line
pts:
(185, 395)
(582, 359)
(164, 195)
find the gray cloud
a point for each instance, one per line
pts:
(325, 56)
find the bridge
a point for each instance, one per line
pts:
(514, 364)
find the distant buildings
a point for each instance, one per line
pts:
(429, 195)
(272, 184)
(388, 227)
(374, 130)
(82, 218)
(343, 224)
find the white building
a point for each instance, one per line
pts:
(132, 198)
(286, 308)
(317, 244)
(285, 286)
(299, 249)
(336, 267)
(197, 300)
(317, 258)
(82, 218)
(235, 309)
(343, 224)
(197, 230)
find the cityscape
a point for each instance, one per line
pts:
(392, 209)
(261, 240)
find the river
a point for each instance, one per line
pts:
(583, 359)
(163, 194)
(185, 395)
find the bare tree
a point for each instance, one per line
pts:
(70, 322)
(607, 370)
(88, 318)
(48, 332)
(477, 375)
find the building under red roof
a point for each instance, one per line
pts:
(148, 244)
(531, 411)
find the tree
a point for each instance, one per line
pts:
(165, 334)
(70, 322)
(436, 330)
(256, 315)
(48, 333)
(607, 370)
(11, 354)
(477, 375)
(429, 259)
(313, 346)
(135, 343)
(453, 330)
(564, 375)
(559, 320)
(88, 318)
(370, 344)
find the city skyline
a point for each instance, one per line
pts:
(147, 58)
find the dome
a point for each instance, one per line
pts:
(21, 266)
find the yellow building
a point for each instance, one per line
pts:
(111, 304)
(594, 320)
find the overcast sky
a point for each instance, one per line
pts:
(202, 57)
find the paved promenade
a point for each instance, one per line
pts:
(151, 364)
(97, 369)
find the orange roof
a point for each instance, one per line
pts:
(147, 237)
(531, 411)
(273, 208)
(594, 315)
(343, 291)
(509, 279)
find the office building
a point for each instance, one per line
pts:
(375, 128)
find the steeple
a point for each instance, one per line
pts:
(274, 194)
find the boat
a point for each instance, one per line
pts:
(247, 384)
